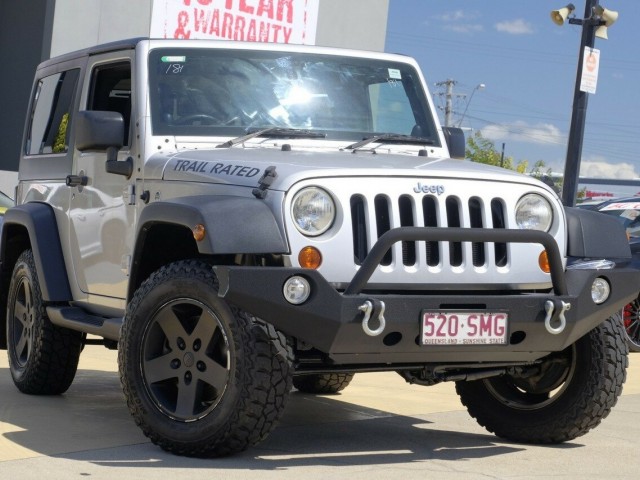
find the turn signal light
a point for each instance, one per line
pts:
(310, 257)
(543, 262)
(199, 232)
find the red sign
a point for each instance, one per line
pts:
(280, 21)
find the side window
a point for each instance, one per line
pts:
(50, 117)
(111, 91)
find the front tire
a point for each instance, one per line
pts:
(570, 394)
(43, 358)
(201, 378)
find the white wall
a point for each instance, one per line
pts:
(358, 24)
(83, 23)
(8, 182)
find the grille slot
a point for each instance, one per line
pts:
(497, 216)
(475, 218)
(428, 211)
(383, 223)
(359, 226)
(405, 205)
(453, 220)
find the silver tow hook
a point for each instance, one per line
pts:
(549, 307)
(373, 308)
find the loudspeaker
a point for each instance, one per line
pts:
(609, 17)
(560, 15)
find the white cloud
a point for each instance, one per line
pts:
(464, 28)
(459, 21)
(514, 27)
(455, 16)
(541, 133)
(598, 167)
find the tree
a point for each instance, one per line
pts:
(482, 150)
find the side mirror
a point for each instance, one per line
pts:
(454, 137)
(97, 130)
(103, 131)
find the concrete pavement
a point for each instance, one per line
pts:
(378, 428)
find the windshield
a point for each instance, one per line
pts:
(627, 213)
(232, 92)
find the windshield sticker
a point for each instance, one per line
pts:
(395, 74)
(622, 206)
(215, 168)
(173, 59)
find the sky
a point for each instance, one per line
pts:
(528, 65)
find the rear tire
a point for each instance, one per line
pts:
(43, 358)
(201, 377)
(571, 394)
(322, 383)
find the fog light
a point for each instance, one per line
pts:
(296, 290)
(600, 290)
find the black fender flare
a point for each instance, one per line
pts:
(232, 224)
(39, 220)
(595, 235)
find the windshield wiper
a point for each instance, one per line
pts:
(391, 137)
(273, 132)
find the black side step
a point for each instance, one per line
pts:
(75, 318)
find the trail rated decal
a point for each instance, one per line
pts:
(216, 168)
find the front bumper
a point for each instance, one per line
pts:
(332, 322)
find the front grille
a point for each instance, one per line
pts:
(428, 211)
(368, 207)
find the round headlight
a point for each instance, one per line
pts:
(534, 212)
(313, 211)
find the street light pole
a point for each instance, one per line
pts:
(579, 112)
(480, 86)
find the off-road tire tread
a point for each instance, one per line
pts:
(322, 383)
(264, 375)
(55, 352)
(598, 395)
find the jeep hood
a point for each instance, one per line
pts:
(245, 166)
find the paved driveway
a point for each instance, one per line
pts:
(379, 428)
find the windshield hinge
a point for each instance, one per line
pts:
(265, 182)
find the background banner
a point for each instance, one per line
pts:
(281, 21)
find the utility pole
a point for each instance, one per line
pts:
(448, 110)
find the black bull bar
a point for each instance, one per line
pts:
(331, 321)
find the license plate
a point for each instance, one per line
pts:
(464, 328)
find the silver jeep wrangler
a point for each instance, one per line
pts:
(240, 219)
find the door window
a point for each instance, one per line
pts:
(111, 92)
(50, 117)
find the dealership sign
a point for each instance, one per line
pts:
(281, 21)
